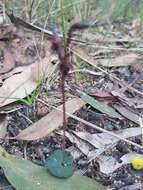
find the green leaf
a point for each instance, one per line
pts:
(25, 101)
(102, 107)
(60, 164)
(24, 175)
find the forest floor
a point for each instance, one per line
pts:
(103, 89)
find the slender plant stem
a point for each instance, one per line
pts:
(63, 23)
(64, 110)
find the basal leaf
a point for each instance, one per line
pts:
(24, 175)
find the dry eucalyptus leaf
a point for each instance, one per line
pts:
(21, 84)
(50, 122)
(123, 60)
(7, 31)
(16, 87)
(127, 113)
(10, 108)
(79, 143)
(98, 139)
(3, 125)
(74, 152)
(109, 164)
(9, 61)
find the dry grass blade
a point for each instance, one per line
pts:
(50, 122)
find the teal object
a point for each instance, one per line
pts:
(60, 164)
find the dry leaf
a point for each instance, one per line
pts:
(7, 31)
(131, 102)
(3, 126)
(135, 186)
(80, 144)
(16, 87)
(101, 94)
(13, 72)
(9, 61)
(74, 152)
(127, 113)
(10, 108)
(21, 84)
(109, 164)
(50, 122)
(98, 139)
(123, 60)
(104, 96)
(96, 153)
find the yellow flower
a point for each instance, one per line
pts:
(137, 163)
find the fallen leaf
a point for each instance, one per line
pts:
(3, 125)
(7, 31)
(104, 96)
(122, 60)
(135, 186)
(102, 107)
(24, 175)
(22, 84)
(10, 108)
(127, 113)
(9, 61)
(74, 152)
(80, 144)
(98, 140)
(101, 94)
(49, 122)
(14, 71)
(121, 96)
(27, 52)
(16, 87)
(96, 153)
(109, 164)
